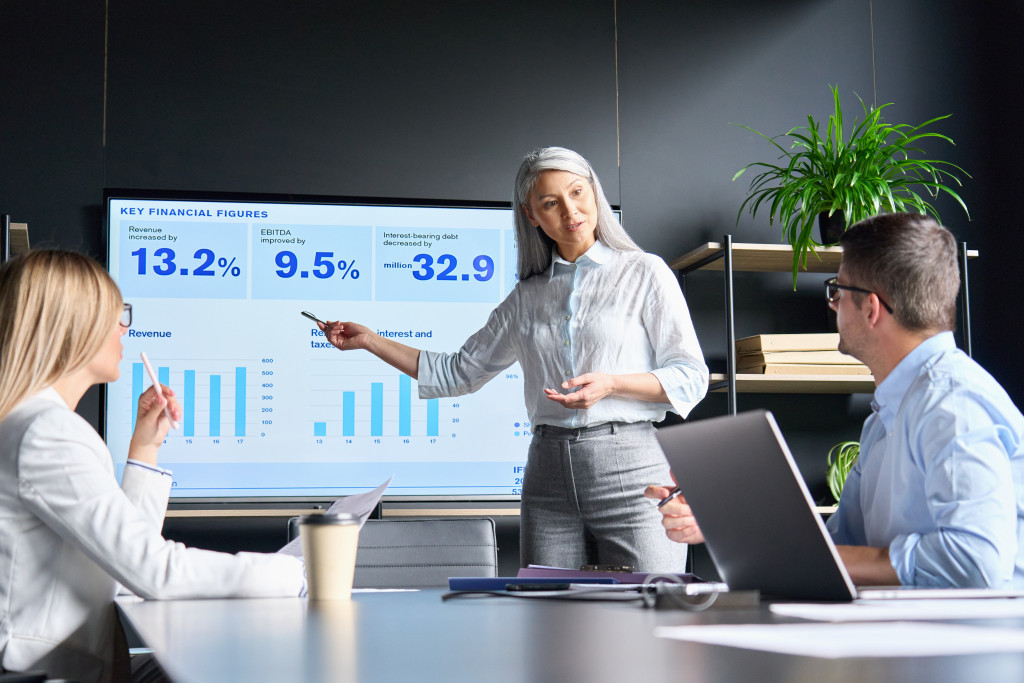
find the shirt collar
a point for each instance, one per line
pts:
(891, 391)
(598, 254)
(51, 394)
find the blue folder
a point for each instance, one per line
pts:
(498, 583)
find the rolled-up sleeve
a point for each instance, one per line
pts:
(680, 363)
(969, 492)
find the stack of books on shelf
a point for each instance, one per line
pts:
(795, 354)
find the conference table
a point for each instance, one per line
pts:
(401, 637)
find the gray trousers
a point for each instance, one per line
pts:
(583, 499)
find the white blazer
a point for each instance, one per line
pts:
(69, 534)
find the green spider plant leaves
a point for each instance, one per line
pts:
(871, 171)
(840, 460)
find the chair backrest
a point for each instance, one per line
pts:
(24, 677)
(421, 553)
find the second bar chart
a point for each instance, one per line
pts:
(376, 408)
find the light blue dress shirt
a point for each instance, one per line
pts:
(940, 477)
(611, 311)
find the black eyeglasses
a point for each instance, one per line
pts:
(126, 316)
(833, 289)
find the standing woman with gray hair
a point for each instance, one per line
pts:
(606, 344)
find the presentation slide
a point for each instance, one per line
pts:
(271, 409)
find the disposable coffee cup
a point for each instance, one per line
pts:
(329, 544)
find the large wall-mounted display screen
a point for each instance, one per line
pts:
(217, 284)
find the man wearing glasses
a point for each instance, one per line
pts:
(936, 497)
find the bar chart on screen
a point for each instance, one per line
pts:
(270, 406)
(219, 398)
(377, 409)
(355, 398)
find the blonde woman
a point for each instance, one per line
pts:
(68, 533)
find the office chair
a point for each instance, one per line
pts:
(30, 677)
(421, 553)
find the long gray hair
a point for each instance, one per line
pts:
(534, 246)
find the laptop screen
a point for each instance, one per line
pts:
(757, 516)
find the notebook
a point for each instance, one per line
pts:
(759, 522)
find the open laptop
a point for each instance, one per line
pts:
(759, 522)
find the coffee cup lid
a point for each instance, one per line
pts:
(340, 518)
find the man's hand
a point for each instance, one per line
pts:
(677, 518)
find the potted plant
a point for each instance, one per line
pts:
(842, 180)
(840, 459)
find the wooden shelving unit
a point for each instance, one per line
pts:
(796, 384)
(730, 257)
(756, 258)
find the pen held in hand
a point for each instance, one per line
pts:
(159, 391)
(673, 494)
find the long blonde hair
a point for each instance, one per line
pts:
(56, 310)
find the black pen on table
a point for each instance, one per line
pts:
(672, 495)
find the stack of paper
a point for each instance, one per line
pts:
(795, 354)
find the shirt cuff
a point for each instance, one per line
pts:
(684, 387)
(147, 466)
(901, 556)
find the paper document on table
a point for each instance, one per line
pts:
(360, 504)
(833, 641)
(891, 610)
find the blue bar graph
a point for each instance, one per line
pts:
(214, 405)
(404, 405)
(137, 370)
(240, 401)
(377, 409)
(348, 413)
(190, 404)
(402, 426)
(432, 417)
(190, 392)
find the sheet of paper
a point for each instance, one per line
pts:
(903, 610)
(833, 641)
(360, 504)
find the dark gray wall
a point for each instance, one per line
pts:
(440, 100)
(406, 99)
(51, 122)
